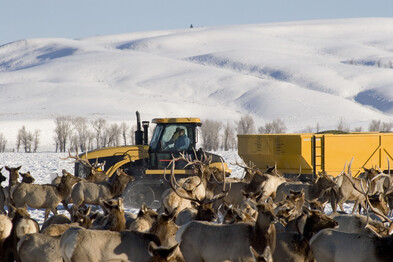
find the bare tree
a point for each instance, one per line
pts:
(73, 141)
(374, 126)
(62, 131)
(132, 134)
(378, 125)
(277, 126)
(81, 129)
(28, 140)
(3, 142)
(386, 126)
(228, 136)
(113, 133)
(246, 125)
(19, 140)
(36, 139)
(124, 131)
(318, 128)
(210, 130)
(99, 126)
(342, 125)
(90, 140)
(358, 129)
(23, 135)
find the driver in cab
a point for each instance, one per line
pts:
(179, 139)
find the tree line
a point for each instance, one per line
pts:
(79, 133)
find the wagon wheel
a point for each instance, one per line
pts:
(137, 194)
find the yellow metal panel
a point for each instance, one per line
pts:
(132, 152)
(176, 120)
(327, 152)
(128, 154)
(285, 150)
(163, 171)
(366, 149)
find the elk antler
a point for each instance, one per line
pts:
(175, 187)
(84, 161)
(375, 210)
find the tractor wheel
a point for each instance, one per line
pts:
(138, 194)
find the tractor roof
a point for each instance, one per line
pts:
(182, 120)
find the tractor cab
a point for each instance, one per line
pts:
(171, 137)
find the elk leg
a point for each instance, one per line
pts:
(355, 207)
(47, 210)
(340, 203)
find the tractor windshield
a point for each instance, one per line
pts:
(176, 138)
(156, 136)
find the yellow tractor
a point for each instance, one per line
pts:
(148, 163)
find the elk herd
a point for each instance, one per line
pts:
(209, 216)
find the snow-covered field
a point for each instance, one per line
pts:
(44, 166)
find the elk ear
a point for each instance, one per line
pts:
(151, 248)
(254, 253)
(120, 202)
(270, 201)
(107, 205)
(19, 167)
(94, 216)
(7, 168)
(170, 216)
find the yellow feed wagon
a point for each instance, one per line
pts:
(317, 152)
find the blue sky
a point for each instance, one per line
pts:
(21, 19)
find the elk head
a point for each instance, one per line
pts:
(27, 178)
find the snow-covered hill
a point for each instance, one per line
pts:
(302, 72)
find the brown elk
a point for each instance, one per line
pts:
(55, 219)
(96, 174)
(316, 190)
(262, 184)
(350, 188)
(14, 175)
(195, 187)
(165, 229)
(357, 223)
(115, 220)
(377, 198)
(204, 241)
(204, 210)
(144, 220)
(231, 214)
(92, 193)
(47, 197)
(79, 218)
(291, 207)
(39, 247)
(76, 245)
